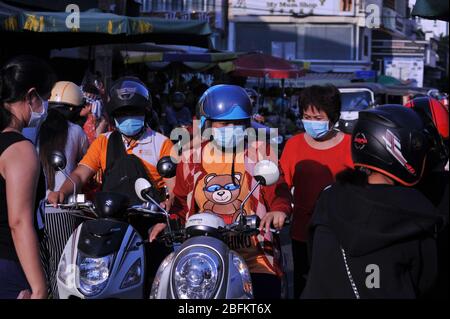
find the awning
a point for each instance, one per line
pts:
(96, 27)
(431, 9)
(83, 52)
(337, 79)
(388, 80)
(190, 60)
(208, 57)
(183, 67)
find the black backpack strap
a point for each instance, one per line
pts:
(115, 149)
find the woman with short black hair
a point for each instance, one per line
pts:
(310, 162)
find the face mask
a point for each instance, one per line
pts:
(228, 137)
(130, 125)
(37, 118)
(316, 129)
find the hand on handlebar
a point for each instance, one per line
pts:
(275, 218)
(155, 231)
(55, 198)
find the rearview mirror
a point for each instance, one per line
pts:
(266, 172)
(166, 167)
(58, 160)
(140, 187)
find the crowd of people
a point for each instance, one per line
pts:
(376, 199)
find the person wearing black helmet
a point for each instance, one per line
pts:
(372, 235)
(129, 100)
(132, 150)
(435, 184)
(219, 183)
(178, 114)
(436, 119)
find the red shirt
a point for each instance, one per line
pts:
(310, 170)
(89, 128)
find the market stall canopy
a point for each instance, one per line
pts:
(431, 9)
(132, 57)
(83, 52)
(189, 60)
(388, 80)
(262, 65)
(95, 27)
(405, 90)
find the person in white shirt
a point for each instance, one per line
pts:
(59, 133)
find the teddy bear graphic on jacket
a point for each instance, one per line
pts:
(222, 194)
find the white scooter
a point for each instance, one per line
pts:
(202, 265)
(105, 255)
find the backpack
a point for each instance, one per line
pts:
(122, 169)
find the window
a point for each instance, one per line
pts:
(389, 4)
(154, 5)
(366, 45)
(285, 50)
(346, 5)
(329, 42)
(177, 5)
(146, 6)
(210, 5)
(268, 38)
(195, 5)
(401, 7)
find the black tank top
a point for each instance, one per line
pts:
(7, 250)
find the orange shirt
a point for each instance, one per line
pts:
(149, 148)
(216, 193)
(309, 171)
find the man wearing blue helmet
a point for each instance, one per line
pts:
(220, 181)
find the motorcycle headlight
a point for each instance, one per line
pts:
(197, 274)
(242, 268)
(156, 282)
(94, 273)
(133, 275)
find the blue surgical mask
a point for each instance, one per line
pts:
(130, 125)
(316, 129)
(228, 137)
(37, 118)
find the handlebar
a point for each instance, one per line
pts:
(86, 205)
(251, 224)
(72, 208)
(141, 209)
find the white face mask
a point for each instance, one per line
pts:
(37, 118)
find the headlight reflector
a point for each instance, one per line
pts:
(94, 273)
(197, 274)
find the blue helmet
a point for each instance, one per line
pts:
(224, 102)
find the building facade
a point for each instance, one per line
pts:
(320, 35)
(398, 50)
(212, 11)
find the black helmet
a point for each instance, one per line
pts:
(178, 97)
(436, 120)
(128, 93)
(392, 140)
